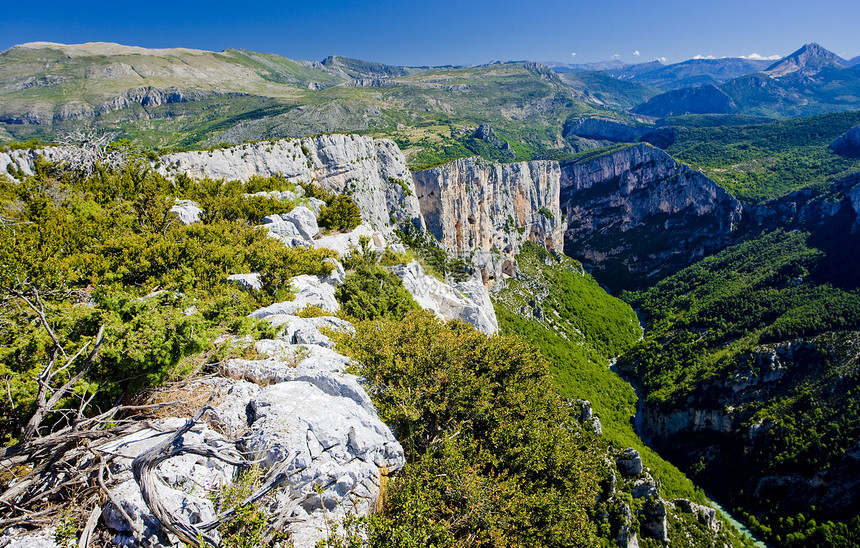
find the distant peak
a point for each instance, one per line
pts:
(807, 61)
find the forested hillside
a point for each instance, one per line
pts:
(750, 374)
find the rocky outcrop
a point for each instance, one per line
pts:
(848, 144)
(480, 209)
(629, 463)
(468, 301)
(635, 213)
(296, 398)
(151, 97)
(705, 514)
(372, 171)
(188, 212)
(607, 129)
(810, 209)
(664, 424)
(638, 213)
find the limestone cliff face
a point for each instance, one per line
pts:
(372, 171)
(637, 213)
(486, 210)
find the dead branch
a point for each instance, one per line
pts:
(143, 468)
(85, 151)
(45, 407)
(90, 527)
(28, 518)
(113, 500)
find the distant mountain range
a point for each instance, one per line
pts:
(812, 80)
(183, 97)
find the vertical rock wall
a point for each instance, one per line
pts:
(487, 210)
(638, 213)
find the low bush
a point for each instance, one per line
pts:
(371, 292)
(493, 455)
(341, 213)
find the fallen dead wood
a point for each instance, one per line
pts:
(143, 468)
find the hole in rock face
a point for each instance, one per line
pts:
(508, 268)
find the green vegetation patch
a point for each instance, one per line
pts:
(761, 162)
(106, 252)
(759, 336)
(493, 455)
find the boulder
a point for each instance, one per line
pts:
(304, 220)
(278, 226)
(247, 282)
(630, 463)
(188, 212)
(314, 204)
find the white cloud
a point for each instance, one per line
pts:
(636, 53)
(757, 57)
(573, 54)
(662, 59)
(700, 56)
(615, 56)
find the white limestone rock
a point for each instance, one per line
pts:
(372, 171)
(342, 243)
(247, 282)
(298, 330)
(304, 220)
(630, 463)
(18, 537)
(471, 303)
(188, 479)
(342, 446)
(188, 212)
(473, 207)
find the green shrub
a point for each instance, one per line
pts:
(249, 525)
(341, 213)
(316, 191)
(106, 251)
(372, 292)
(492, 453)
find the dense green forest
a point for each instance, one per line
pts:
(758, 337)
(761, 161)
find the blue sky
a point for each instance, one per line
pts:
(452, 32)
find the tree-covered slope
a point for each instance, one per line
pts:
(580, 329)
(760, 162)
(750, 374)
